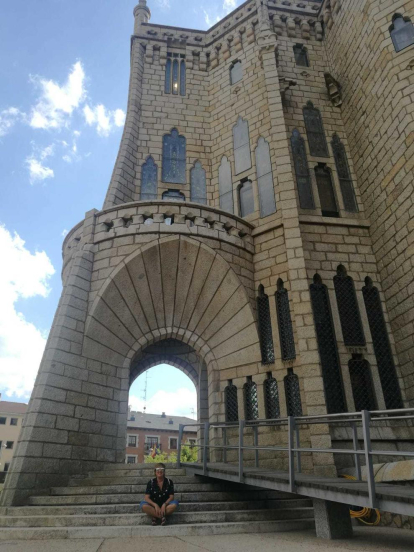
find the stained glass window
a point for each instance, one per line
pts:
(198, 184)
(251, 404)
(231, 403)
(242, 158)
(327, 346)
(344, 175)
(182, 78)
(382, 348)
(174, 158)
(236, 72)
(303, 178)
(315, 132)
(271, 397)
(149, 180)
(246, 198)
(175, 74)
(348, 308)
(265, 327)
(301, 55)
(168, 67)
(287, 342)
(402, 32)
(265, 179)
(226, 186)
(326, 191)
(292, 393)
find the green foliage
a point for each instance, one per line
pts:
(188, 454)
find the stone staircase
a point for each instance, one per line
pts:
(105, 505)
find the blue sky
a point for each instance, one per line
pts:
(64, 71)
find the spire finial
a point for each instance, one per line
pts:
(142, 14)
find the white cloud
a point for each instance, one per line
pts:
(8, 118)
(64, 233)
(23, 275)
(177, 403)
(229, 5)
(71, 152)
(57, 103)
(37, 170)
(104, 119)
(213, 15)
(164, 4)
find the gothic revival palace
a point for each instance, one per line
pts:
(257, 234)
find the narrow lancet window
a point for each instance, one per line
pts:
(231, 403)
(292, 393)
(246, 200)
(348, 308)
(303, 178)
(327, 346)
(361, 383)
(175, 74)
(287, 341)
(301, 55)
(226, 186)
(251, 404)
(149, 180)
(175, 77)
(174, 158)
(265, 179)
(326, 191)
(315, 131)
(271, 397)
(242, 157)
(168, 73)
(265, 327)
(198, 184)
(344, 175)
(236, 72)
(382, 348)
(182, 78)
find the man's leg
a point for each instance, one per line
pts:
(171, 508)
(149, 510)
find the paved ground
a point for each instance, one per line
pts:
(365, 540)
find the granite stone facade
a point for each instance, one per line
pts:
(292, 124)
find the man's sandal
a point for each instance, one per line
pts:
(164, 521)
(154, 521)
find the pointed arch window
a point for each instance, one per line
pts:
(149, 180)
(231, 403)
(292, 393)
(226, 186)
(183, 78)
(315, 131)
(251, 404)
(265, 178)
(382, 348)
(236, 72)
(303, 178)
(301, 55)
(173, 158)
(175, 74)
(265, 327)
(402, 32)
(361, 383)
(287, 341)
(246, 199)
(348, 308)
(327, 346)
(198, 186)
(241, 141)
(326, 191)
(271, 397)
(344, 175)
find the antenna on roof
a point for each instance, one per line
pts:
(193, 412)
(144, 393)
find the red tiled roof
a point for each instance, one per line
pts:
(7, 407)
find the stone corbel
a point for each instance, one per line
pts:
(291, 27)
(189, 59)
(227, 48)
(318, 30)
(214, 58)
(334, 90)
(278, 25)
(149, 54)
(305, 28)
(203, 61)
(238, 44)
(250, 35)
(163, 55)
(285, 84)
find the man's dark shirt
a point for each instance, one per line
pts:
(155, 493)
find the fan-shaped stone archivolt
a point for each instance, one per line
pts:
(173, 288)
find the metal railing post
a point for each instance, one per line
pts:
(256, 444)
(241, 429)
(205, 446)
(356, 455)
(366, 417)
(180, 437)
(291, 438)
(298, 454)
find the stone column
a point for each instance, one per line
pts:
(332, 520)
(142, 14)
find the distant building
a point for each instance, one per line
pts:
(148, 431)
(11, 419)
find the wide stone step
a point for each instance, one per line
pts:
(142, 519)
(201, 529)
(132, 480)
(136, 498)
(134, 508)
(135, 472)
(122, 489)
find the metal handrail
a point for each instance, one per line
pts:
(293, 447)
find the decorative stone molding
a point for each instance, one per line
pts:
(305, 28)
(291, 27)
(334, 90)
(285, 85)
(319, 30)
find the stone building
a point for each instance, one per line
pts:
(257, 234)
(11, 418)
(146, 432)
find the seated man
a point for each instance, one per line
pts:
(159, 497)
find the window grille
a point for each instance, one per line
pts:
(198, 186)
(402, 32)
(383, 353)
(251, 405)
(265, 178)
(9, 444)
(327, 346)
(14, 421)
(271, 397)
(149, 180)
(175, 74)
(173, 195)
(174, 158)
(348, 308)
(287, 341)
(246, 200)
(265, 327)
(344, 175)
(3, 421)
(131, 460)
(236, 72)
(173, 444)
(361, 383)
(226, 186)
(301, 55)
(292, 392)
(315, 132)
(303, 178)
(326, 191)
(231, 403)
(132, 440)
(241, 142)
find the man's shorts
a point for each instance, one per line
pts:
(144, 503)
